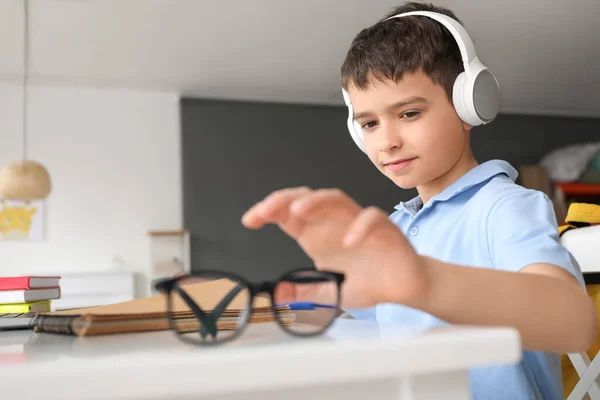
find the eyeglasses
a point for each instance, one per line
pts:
(209, 307)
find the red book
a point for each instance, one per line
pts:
(28, 282)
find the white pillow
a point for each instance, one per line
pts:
(584, 244)
(567, 164)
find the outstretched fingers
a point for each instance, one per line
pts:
(310, 205)
(274, 208)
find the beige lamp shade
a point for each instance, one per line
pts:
(25, 181)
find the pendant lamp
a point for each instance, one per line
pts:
(25, 180)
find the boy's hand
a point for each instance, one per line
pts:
(339, 235)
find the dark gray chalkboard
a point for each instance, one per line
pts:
(235, 153)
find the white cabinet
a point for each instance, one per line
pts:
(169, 254)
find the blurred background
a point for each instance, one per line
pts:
(161, 121)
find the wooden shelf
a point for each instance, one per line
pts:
(168, 233)
(578, 188)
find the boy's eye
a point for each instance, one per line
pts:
(410, 114)
(368, 125)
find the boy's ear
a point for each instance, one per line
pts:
(467, 127)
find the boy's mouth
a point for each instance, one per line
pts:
(399, 164)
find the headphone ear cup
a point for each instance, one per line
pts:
(476, 96)
(460, 91)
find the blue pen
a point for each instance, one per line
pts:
(307, 305)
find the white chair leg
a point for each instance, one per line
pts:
(580, 361)
(589, 372)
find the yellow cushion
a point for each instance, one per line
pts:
(582, 212)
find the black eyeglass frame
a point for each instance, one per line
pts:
(208, 320)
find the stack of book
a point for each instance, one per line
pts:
(21, 297)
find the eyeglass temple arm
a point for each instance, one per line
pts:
(218, 310)
(207, 322)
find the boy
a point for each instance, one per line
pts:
(472, 248)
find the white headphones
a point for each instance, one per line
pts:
(476, 92)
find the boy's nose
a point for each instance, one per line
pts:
(389, 138)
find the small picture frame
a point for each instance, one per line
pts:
(22, 220)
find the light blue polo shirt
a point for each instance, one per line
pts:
(485, 220)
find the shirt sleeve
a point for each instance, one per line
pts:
(522, 230)
(363, 313)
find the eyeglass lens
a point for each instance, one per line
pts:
(312, 298)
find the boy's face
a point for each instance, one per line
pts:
(411, 131)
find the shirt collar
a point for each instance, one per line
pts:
(475, 176)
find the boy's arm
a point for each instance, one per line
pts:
(529, 289)
(544, 302)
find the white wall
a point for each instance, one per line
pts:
(114, 160)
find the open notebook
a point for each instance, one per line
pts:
(150, 314)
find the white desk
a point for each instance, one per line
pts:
(354, 360)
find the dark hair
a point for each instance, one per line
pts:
(388, 49)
